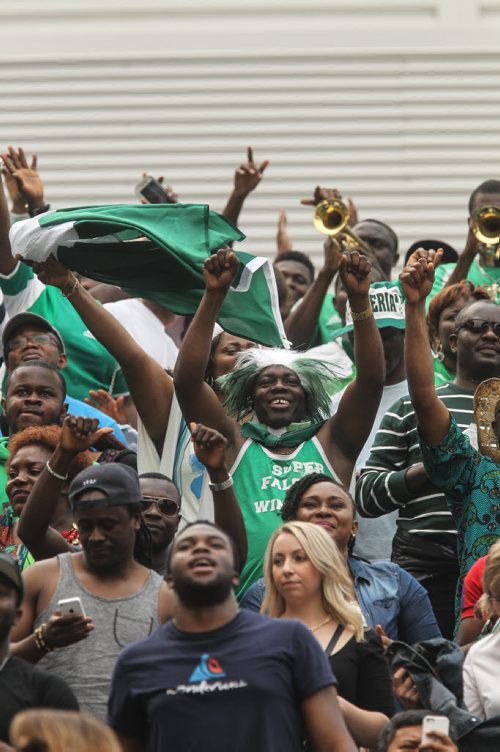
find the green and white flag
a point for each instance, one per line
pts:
(157, 251)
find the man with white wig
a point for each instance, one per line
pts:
(286, 395)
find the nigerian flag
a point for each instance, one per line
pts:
(157, 251)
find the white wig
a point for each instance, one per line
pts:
(315, 376)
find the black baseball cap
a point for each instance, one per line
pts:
(119, 484)
(9, 568)
(29, 319)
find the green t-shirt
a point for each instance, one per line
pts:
(486, 277)
(261, 480)
(90, 365)
(441, 373)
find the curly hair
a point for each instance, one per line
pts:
(446, 298)
(47, 437)
(295, 493)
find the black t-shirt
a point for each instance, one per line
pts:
(237, 687)
(363, 674)
(24, 686)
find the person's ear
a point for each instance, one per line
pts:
(452, 339)
(355, 526)
(17, 616)
(62, 361)
(136, 519)
(170, 582)
(396, 259)
(236, 579)
(4, 405)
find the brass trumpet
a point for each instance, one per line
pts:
(331, 217)
(486, 225)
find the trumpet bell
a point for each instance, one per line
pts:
(486, 225)
(331, 217)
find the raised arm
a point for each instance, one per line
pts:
(151, 388)
(197, 399)
(351, 425)
(210, 448)
(432, 416)
(303, 319)
(34, 528)
(246, 178)
(26, 188)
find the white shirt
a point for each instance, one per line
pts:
(481, 671)
(146, 329)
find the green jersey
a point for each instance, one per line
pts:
(90, 365)
(261, 480)
(488, 277)
(441, 373)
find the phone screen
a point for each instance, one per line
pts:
(152, 191)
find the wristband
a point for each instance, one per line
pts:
(54, 474)
(73, 289)
(41, 210)
(222, 486)
(362, 315)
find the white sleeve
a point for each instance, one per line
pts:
(472, 695)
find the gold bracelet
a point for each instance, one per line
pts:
(40, 640)
(362, 315)
(73, 289)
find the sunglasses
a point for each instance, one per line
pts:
(168, 507)
(37, 339)
(480, 326)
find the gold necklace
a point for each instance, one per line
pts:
(322, 624)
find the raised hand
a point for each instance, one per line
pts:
(331, 254)
(52, 272)
(209, 446)
(355, 273)
(321, 194)
(172, 197)
(28, 181)
(220, 269)
(112, 406)
(248, 175)
(79, 434)
(283, 240)
(417, 278)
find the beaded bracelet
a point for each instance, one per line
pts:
(40, 640)
(362, 315)
(54, 474)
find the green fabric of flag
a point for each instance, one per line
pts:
(157, 251)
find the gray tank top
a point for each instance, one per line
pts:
(87, 665)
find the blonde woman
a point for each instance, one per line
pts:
(61, 731)
(307, 579)
(482, 664)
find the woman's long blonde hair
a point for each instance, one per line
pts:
(336, 586)
(63, 730)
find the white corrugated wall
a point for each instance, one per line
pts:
(407, 131)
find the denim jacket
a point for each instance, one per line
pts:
(387, 595)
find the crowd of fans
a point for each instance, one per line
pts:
(210, 543)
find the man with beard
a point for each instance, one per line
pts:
(215, 678)
(22, 685)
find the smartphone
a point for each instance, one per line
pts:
(434, 723)
(152, 191)
(71, 606)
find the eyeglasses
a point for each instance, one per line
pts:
(38, 339)
(168, 507)
(480, 326)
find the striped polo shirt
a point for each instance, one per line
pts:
(381, 487)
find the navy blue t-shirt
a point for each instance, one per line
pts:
(237, 687)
